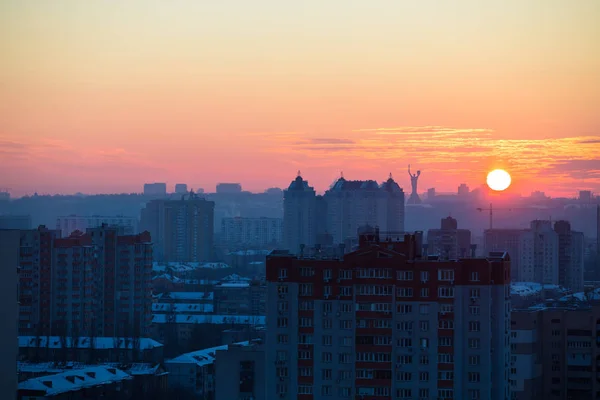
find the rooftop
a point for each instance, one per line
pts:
(58, 367)
(70, 381)
(182, 307)
(186, 295)
(201, 357)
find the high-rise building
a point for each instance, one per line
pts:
(122, 293)
(155, 189)
(539, 254)
(72, 223)
(508, 240)
(181, 188)
(385, 322)
(571, 250)
(229, 188)
(352, 204)
(181, 230)
(9, 263)
(555, 352)
(449, 242)
(252, 232)
(299, 215)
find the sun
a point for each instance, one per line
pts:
(498, 180)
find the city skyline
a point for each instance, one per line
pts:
(170, 91)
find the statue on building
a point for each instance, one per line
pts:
(414, 179)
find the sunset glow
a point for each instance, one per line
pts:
(104, 96)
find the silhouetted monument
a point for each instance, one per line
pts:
(414, 196)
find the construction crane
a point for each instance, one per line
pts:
(491, 211)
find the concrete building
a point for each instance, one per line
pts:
(229, 188)
(539, 254)
(15, 221)
(9, 263)
(182, 230)
(243, 363)
(507, 240)
(155, 189)
(555, 352)
(299, 215)
(449, 242)
(239, 232)
(181, 188)
(243, 297)
(384, 322)
(352, 204)
(571, 250)
(72, 223)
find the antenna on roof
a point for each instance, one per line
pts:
(342, 174)
(299, 174)
(391, 176)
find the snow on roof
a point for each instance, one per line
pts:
(187, 266)
(235, 278)
(84, 342)
(201, 357)
(250, 253)
(168, 277)
(210, 319)
(593, 295)
(58, 367)
(234, 285)
(531, 288)
(187, 295)
(182, 307)
(74, 380)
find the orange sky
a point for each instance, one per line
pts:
(104, 96)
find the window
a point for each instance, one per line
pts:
(423, 309)
(474, 343)
(374, 290)
(344, 358)
(346, 291)
(474, 394)
(327, 307)
(282, 339)
(282, 289)
(424, 359)
(423, 376)
(326, 391)
(306, 322)
(305, 389)
(473, 360)
(404, 275)
(345, 274)
(446, 358)
(327, 274)
(445, 324)
(326, 290)
(424, 343)
(374, 273)
(474, 326)
(404, 376)
(305, 371)
(305, 338)
(304, 355)
(445, 394)
(423, 394)
(405, 325)
(344, 392)
(282, 371)
(474, 377)
(446, 275)
(475, 293)
(404, 308)
(326, 374)
(445, 375)
(345, 324)
(307, 305)
(281, 355)
(327, 323)
(346, 308)
(474, 310)
(405, 359)
(327, 340)
(424, 276)
(404, 292)
(307, 271)
(424, 326)
(282, 322)
(326, 357)
(446, 341)
(306, 289)
(347, 341)
(474, 276)
(425, 292)
(364, 374)
(446, 291)
(404, 393)
(405, 342)
(282, 273)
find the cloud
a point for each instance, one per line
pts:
(331, 141)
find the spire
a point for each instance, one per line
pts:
(299, 174)
(342, 174)
(390, 178)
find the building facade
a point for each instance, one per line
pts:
(299, 215)
(246, 362)
(449, 242)
(539, 254)
(72, 223)
(182, 230)
(9, 263)
(384, 322)
(571, 250)
(556, 352)
(251, 232)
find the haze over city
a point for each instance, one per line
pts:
(101, 96)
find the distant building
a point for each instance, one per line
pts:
(555, 352)
(377, 321)
(243, 363)
(242, 297)
(430, 193)
(72, 223)
(9, 263)
(182, 230)
(155, 189)
(181, 188)
(463, 190)
(252, 232)
(449, 242)
(539, 254)
(571, 250)
(507, 240)
(229, 188)
(352, 204)
(15, 221)
(299, 215)
(585, 196)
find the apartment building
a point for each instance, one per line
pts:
(72, 223)
(555, 352)
(449, 242)
(246, 362)
(383, 322)
(251, 232)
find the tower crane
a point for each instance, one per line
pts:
(491, 211)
